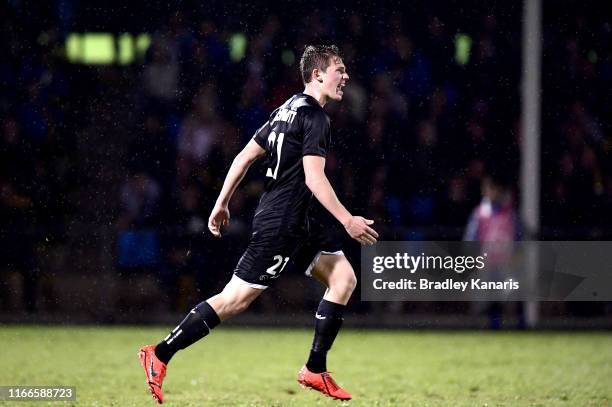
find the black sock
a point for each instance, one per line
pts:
(328, 323)
(196, 325)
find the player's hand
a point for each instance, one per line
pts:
(357, 228)
(219, 217)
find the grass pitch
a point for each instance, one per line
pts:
(257, 367)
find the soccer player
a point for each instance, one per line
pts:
(295, 141)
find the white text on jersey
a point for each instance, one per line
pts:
(284, 115)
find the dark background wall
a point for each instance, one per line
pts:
(108, 173)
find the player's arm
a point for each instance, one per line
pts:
(220, 215)
(316, 180)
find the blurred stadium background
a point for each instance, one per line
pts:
(119, 120)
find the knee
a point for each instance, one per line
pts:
(351, 282)
(345, 285)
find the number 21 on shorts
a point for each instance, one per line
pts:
(279, 261)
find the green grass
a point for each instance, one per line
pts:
(257, 367)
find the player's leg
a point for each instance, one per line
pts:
(333, 270)
(235, 298)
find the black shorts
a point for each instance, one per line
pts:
(269, 254)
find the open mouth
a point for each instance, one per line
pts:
(340, 89)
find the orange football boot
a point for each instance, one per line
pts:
(155, 370)
(322, 382)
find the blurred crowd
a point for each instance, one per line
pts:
(144, 148)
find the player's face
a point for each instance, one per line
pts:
(335, 79)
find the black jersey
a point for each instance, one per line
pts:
(298, 128)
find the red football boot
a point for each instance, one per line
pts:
(155, 370)
(322, 382)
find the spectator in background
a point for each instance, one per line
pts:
(494, 219)
(186, 250)
(495, 224)
(161, 73)
(154, 151)
(138, 245)
(199, 134)
(17, 211)
(250, 111)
